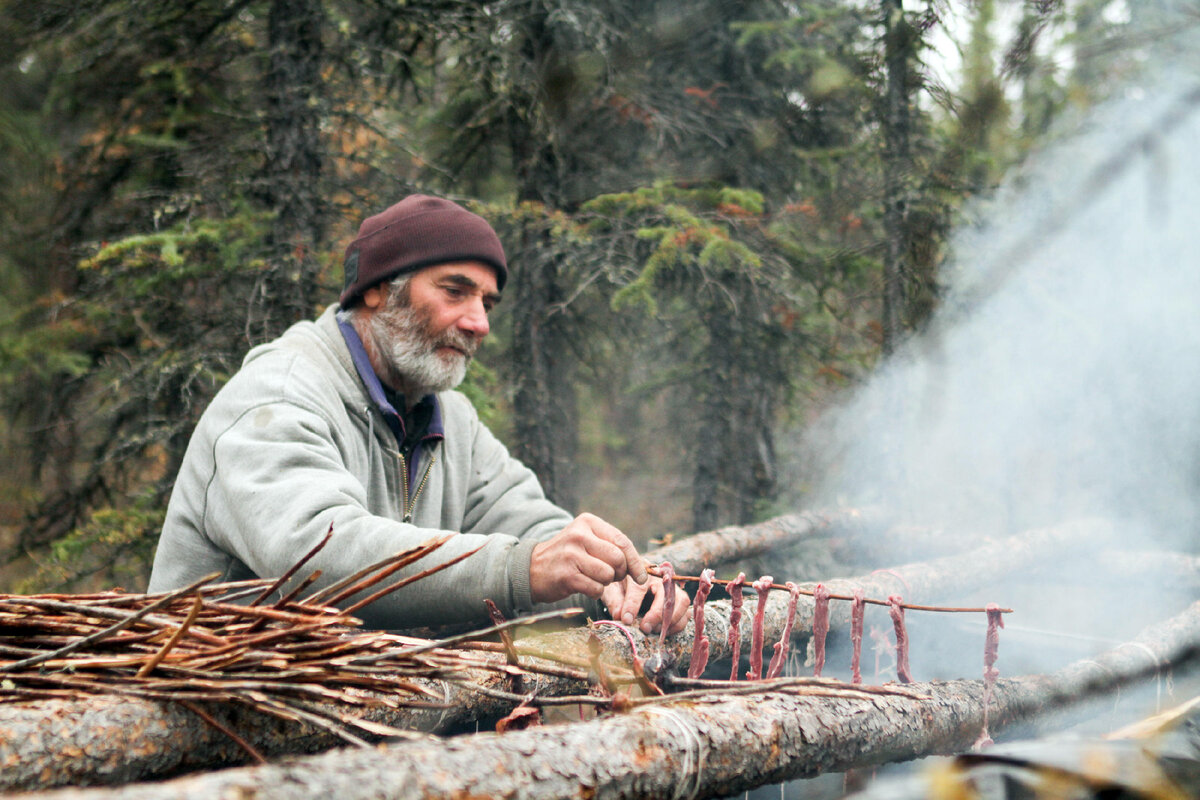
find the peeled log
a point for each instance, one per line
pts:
(114, 739)
(110, 740)
(712, 548)
(710, 747)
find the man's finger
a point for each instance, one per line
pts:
(652, 619)
(632, 603)
(596, 569)
(634, 565)
(581, 583)
(609, 553)
(613, 597)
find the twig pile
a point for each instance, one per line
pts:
(300, 660)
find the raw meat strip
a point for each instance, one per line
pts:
(762, 587)
(897, 612)
(667, 573)
(991, 651)
(734, 587)
(820, 627)
(700, 644)
(781, 647)
(857, 611)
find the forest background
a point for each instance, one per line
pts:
(719, 216)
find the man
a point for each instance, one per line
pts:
(350, 421)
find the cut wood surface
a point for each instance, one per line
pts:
(109, 740)
(710, 746)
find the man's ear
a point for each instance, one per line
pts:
(373, 298)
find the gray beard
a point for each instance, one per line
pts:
(403, 340)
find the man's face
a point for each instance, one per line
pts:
(428, 331)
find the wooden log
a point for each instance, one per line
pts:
(112, 740)
(713, 746)
(733, 543)
(1160, 568)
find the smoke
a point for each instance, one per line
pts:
(1062, 376)
(1060, 379)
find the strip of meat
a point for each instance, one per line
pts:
(734, 587)
(636, 664)
(785, 640)
(598, 675)
(700, 644)
(820, 626)
(762, 588)
(667, 573)
(897, 613)
(991, 651)
(858, 610)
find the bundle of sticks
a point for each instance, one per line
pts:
(301, 659)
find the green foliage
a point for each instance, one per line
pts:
(482, 386)
(690, 195)
(116, 542)
(725, 301)
(697, 243)
(42, 354)
(126, 364)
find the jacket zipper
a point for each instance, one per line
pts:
(406, 504)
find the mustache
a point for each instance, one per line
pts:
(459, 341)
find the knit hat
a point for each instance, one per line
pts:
(419, 231)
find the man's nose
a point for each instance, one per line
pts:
(475, 320)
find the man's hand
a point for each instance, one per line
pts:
(624, 600)
(585, 557)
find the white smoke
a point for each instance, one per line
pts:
(1061, 377)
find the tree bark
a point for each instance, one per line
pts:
(293, 167)
(545, 413)
(688, 746)
(545, 417)
(733, 543)
(115, 739)
(896, 164)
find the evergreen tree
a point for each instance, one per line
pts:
(202, 155)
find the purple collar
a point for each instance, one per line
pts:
(395, 420)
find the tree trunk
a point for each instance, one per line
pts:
(292, 172)
(545, 415)
(896, 165)
(545, 420)
(711, 746)
(716, 448)
(115, 739)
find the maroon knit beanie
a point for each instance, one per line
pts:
(417, 232)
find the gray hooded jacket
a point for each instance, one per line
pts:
(292, 444)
